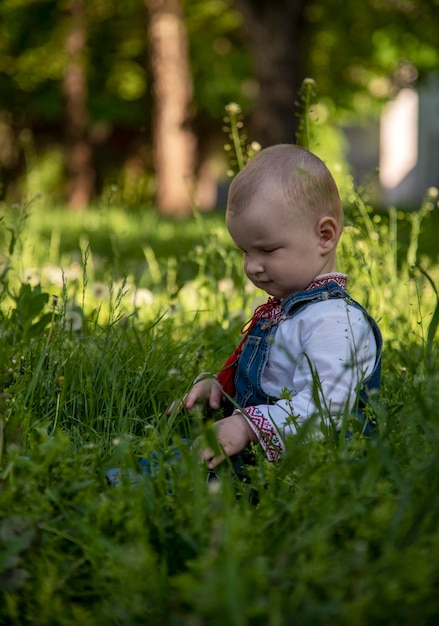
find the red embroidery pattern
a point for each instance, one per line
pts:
(272, 309)
(265, 432)
(340, 279)
(269, 310)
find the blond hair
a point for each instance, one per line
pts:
(304, 180)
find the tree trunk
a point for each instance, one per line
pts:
(275, 31)
(174, 142)
(79, 152)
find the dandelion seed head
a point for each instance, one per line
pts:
(74, 271)
(142, 297)
(99, 290)
(214, 486)
(54, 274)
(73, 320)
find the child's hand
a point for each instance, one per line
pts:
(207, 390)
(233, 435)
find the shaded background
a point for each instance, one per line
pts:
(101, 99)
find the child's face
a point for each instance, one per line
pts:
(283, 252)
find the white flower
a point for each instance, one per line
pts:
(99, 290)
(233, 108)
(226, 285)
(73, 320)
(214, 486)
(142, 297)
(54, 274)
(432, 193)
(173, 372)
(74, 271)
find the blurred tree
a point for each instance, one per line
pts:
(50, 89)
(222, 72)
(277, 36)
(27, 62)
(174, 141)
(81, 174)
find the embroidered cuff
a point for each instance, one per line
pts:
(265, 432)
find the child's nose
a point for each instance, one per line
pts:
(253, 265)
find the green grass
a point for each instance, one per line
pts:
(345, 531)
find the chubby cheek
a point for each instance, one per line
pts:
(247, 273)
(246, 266)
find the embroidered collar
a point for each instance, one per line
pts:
(272, 309)
(324, 279)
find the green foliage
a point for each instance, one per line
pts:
(341, 534)
(237, 148)
(361, 53)
(220, 59)
(27, 317)
(342, 531)
(306, 99)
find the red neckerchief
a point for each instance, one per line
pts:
(226, 376)
(271, 310)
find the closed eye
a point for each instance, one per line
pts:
(269, 250)
(260, 250)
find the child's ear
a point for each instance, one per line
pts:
(328, 233)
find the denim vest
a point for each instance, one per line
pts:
(253, 357)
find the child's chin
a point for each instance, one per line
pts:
(267, 289)
(274, 293)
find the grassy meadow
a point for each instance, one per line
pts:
(107, 317)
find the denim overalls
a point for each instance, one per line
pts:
(254, 352)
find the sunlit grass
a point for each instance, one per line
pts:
(343, 531)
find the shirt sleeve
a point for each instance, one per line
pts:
(317, 364)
